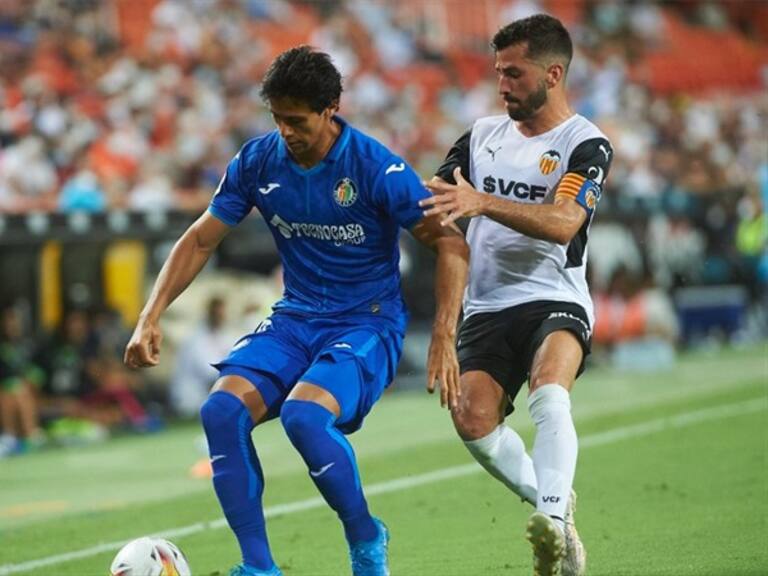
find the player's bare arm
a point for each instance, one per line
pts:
(450, 279)
(187, 258)
(558, 222)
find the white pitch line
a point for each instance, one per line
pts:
(406, 482)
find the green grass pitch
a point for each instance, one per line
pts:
(671, 481)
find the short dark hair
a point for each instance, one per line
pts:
(546, 36)
(303, 74)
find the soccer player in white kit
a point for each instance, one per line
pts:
(530, 181)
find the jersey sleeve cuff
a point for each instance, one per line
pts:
(220, 214)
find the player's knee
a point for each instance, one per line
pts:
(474, 423)
(545, 377)
(222, 411)
(302, 420)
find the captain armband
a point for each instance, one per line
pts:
(584, 191)
(588, 196)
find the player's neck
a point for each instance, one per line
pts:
(548, 117)
(316, 154)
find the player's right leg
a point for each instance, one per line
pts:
(491, 373)
(479, 421)
(256, 377)
(230, 413)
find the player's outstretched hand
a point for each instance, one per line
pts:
(144, 347)
(453, 200)
(443, 367)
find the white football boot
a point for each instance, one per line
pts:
(575, 560)
(548, 544)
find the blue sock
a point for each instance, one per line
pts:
(332, 465)
(237, 475)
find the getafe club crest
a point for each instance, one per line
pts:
(345, 192)
(549, 161)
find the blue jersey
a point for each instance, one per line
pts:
(336, 225)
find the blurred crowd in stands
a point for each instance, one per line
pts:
(71, 383)
(71, 387)
(139, 105)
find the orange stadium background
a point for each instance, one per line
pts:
(117, 119)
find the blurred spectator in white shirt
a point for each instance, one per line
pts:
(27, 178)
(193, 374)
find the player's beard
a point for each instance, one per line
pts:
(526, 109)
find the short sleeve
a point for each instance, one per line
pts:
(592, 159)
(586, 173)
(398, 191)
(458, 155)
(230, 203)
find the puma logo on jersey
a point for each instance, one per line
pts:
(605, 151)
(395, 168)
(519, 190)
(271, 186)
(492, 152)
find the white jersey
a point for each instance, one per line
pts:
(508, 268)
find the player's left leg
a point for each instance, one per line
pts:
(332, 398)
(310, 416)
(554, 368)
(553, 372)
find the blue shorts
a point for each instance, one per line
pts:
(354, 359)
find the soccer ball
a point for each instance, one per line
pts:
(150, 557)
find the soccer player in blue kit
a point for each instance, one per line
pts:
(334, 200)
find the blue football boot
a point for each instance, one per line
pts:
(370, 558)
(243, 570)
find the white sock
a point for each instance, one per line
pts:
(503, 454)
(554, 450)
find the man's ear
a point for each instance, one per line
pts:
(332, 109)
(555, 74)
